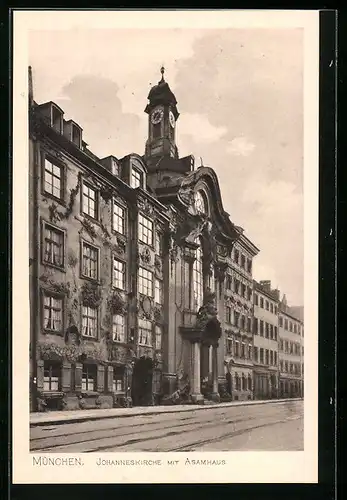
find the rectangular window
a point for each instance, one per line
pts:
(290, 326)
(267, 356)
(230, 346)
(237, 286)
(243, 350)
(243, 290)
(90, 261)
(275, 332)
(255, 354)
(275, 309)
(236, 256)
(267, 305)
(249, 265)
(53, 313)
(261, 355)
(243, 261)
(236, 318)
(249, 293)
(271, 332)
(286, 324)
(228, 282)
(250, 352)
(89, 321)
(228, 314)
(243, 322)
(237, 348)
(118, 380)
(145, 282)
(280, 321)
(271, 307)
(249, 325)
(281, 366)
(136, 178)
(145, 230)
(90, 201)
(53, 246)
(158, 243)
(145, 332)
(295, 330)
(266, 330)
(255, 326)
(53, 179)
(118, 274)
(118, 328)
(51, 376)
(256, 301)
(89, 377)
(271, 358)
(118, 219)
(261, 328)
(158, 337)
(262, 302)
(158, 291)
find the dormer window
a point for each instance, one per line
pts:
(56, 119)
(136, 178)
(200, 202)
(115, 167)
(76, 135)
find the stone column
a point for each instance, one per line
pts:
(210, 359)
(215, 394)
(196, 391)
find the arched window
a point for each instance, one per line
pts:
(198, 278)
(200, 202)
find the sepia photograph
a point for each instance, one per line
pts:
(166, 271)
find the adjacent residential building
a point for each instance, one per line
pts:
(265, 341)
(239, 320)
(291, 352)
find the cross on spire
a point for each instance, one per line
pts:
(162, 70)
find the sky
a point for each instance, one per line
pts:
(240, 98)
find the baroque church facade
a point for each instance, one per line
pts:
(141, 288)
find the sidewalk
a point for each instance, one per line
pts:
(73, 416)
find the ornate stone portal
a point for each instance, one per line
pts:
(205, 334)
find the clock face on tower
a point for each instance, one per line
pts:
(157, 116)
(172, 119)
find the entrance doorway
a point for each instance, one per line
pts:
(141, 390)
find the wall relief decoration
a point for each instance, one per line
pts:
(158, 263)
(145, 256)
(220, 269)
(145, 206)
(116, 303)
(157, 313)
(91, 294)
(87, 226)
(147, 306)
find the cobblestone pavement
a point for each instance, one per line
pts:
(268, 427)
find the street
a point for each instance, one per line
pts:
(268, 427)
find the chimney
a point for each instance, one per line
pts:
(266, 284)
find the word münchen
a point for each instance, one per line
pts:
(141, 287)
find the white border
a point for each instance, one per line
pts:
(241, 467)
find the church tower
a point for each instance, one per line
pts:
(162, 117)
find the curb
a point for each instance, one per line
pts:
(56, 420)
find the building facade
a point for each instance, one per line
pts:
(291, 352)
(141, 287)
(265, 352)
(239, 320)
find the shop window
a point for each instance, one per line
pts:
(88, 377)
(51, 376)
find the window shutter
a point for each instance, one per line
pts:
(78, 377)
(66, 377)
(40, 375)
(110, 378)
(100, 378)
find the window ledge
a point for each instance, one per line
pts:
(55, 266)
(89, 393)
